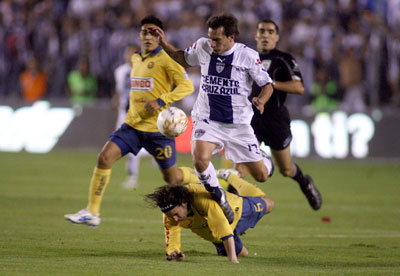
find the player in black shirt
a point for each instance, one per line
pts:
(273, 126)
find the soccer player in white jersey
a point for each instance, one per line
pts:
(222, 112)
(122, 76)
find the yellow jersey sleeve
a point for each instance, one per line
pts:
(153, 77)
(178, 75)
(172, 235)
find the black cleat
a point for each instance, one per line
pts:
(226, 208)
(232, 190)
(312, 194)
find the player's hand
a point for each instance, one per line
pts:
(150, 106)
(233, 260)
(159, 33)
(176, 256)
(259, 104)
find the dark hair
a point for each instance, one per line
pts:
(226, 20)
(151, 19)
(168, 196)
(272, 22)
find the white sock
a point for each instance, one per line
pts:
(268, 164)
(209, 176)
(132, 164)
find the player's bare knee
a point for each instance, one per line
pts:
(171, 179)
(270, 203)
(201, 164)
(261, 176)
(104, 160)
(244, 252)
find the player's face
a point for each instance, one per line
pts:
(219, 41)
(266, 37)
(178, 213)
(148, 39)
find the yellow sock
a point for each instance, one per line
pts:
(243, 187)
(189, 176)
(98, 185)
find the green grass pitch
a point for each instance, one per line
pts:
(361, 198)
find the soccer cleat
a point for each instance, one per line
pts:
(226, 208)
(225, 173)
(130, 183)
(312, 194)
(83, 217)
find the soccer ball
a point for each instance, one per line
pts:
(172, 122)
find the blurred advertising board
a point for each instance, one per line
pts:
(43, 126)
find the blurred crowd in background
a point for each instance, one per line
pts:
(348, 50)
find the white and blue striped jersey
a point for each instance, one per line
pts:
(226, 81)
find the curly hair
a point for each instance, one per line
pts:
(168, 196)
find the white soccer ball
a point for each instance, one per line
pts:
(172, 122)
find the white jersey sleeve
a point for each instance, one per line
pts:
(193, 52)
(257, 70)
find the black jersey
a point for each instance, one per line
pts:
(273, 126)
(281, 66)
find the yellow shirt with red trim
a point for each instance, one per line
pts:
(153, 77)
(208, 220)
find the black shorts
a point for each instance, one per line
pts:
(273, 128)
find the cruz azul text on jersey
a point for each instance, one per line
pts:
(219, 85)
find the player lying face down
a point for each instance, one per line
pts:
(190, 206)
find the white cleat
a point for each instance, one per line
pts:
(130, 183)
(84, 217)
(225, 173)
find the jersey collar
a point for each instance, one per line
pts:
(153, 53)
(230, 51)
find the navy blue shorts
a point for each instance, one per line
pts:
(132, 140)
(254, 208)
(238, 246)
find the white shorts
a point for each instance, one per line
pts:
(239, 141)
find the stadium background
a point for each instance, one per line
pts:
(340, 45)
(356, 232)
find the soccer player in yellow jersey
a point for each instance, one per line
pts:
(156, 81)
(190, 206)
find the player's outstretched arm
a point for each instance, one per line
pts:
(229, 245)
(175, 53)
(292, 86)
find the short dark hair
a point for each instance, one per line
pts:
(151, 19)
(272, 22)
(169, 196)
(226, 20)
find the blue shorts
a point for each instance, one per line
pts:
(132, 140)
(254, 208)
(238, 246)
